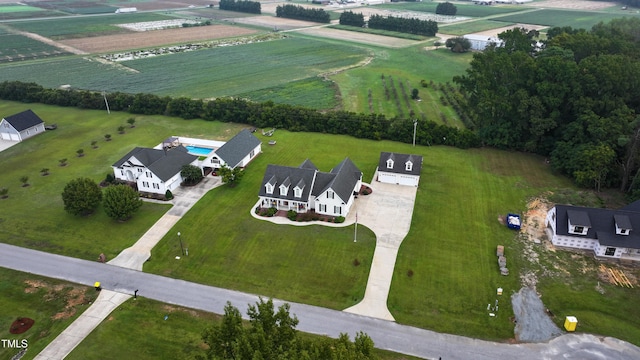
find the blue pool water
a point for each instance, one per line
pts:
(200, 151)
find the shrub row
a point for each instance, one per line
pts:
(252, 7)
(302, 13)
(261, 115)
(411, 26)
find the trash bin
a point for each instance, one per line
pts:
(570, 323)
(97, 286)
(499, 291)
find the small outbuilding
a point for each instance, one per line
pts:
(400, 169)
(21, 126)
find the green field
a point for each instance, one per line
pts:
(69, 28)
(575, 19)
(14, 8)
(20, 48)
(313, 92)
(409, 65)
(469, 27)
(463, 9)
(40, 299)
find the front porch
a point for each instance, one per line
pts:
(285, 205)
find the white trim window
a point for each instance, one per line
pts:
(408, 166)
(269, 188)
(389, 164)
(330, 194)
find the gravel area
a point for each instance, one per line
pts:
(532, 322)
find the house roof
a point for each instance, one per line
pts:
(24, 120)
(277, 175)
(602, 225)
(342, 179)
(399, 163)
(164, 164)
(234, 150)
(346, 176)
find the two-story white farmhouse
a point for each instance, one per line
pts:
(21, 126)
(154, 170)
(305, 188)
(609, 233)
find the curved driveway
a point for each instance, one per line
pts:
(386, 334)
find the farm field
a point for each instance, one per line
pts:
(146, 39)
(14, 47)
(79, 27)
(553, 17)
(470, 27)
(469, 10)
(314, 92)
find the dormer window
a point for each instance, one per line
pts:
(389, 164)
(579, 222)
(623, 224)
(297, 192)
(408, 166)
(284, 190)
(269, 188)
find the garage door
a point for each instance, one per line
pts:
(407, 180)
(387, 178)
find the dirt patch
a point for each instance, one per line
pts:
(573, 4)
(108, 43)
(273, 22)
(73, 295)
(171, 309)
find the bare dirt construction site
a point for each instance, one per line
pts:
(146, 39)
(495, 32)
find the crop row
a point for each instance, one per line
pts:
(18, 47)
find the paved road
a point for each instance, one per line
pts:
(386, 335)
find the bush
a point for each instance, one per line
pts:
(292, 215)
(339, 219)
(272, 211)
(168, 195)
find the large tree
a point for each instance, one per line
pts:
(231, 176)
(191, 174)
(272, 334)
(120, 202)
(81, 196)
(446, 8)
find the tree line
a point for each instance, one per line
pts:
(301, 13)
(262, 115)
(575, 99)
(410, 25)
(350, 18)
(252, 7)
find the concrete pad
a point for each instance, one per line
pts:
(62, 345)
(387, 211)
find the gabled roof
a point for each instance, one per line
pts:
(399, 163)
(307, 164)
(236, 149)
(276, 175)
(24, 120)
(602, 225)
(346, 177)
(164, 164)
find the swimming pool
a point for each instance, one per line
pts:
(197, 150)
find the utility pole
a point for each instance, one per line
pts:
(104, 95)
(179, 239)
(415, 125)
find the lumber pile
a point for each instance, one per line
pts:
(502, 260)
(616, 276)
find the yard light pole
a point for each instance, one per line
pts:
(179, 239)
(415, 125)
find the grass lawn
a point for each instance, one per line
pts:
(51, 303)
(56, 231)
(137, 329)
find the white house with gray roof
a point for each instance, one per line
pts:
(400, 169)
(608, 233)
(305, 188)
(154, 170)
(237, 152)
(21, 126)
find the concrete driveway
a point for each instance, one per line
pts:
(387, 211)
